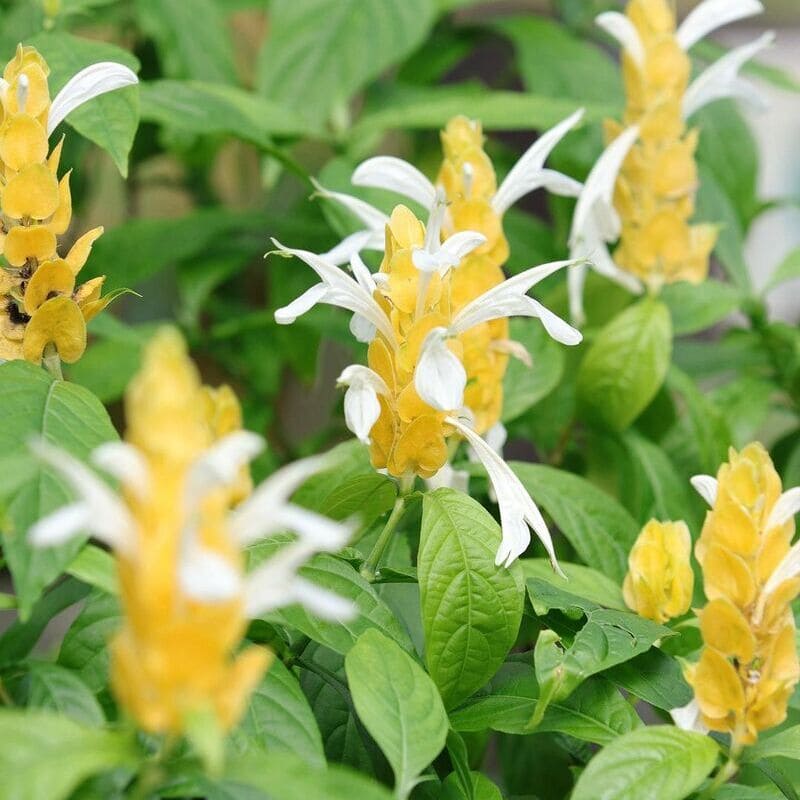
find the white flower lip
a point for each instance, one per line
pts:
(712, 14)
(624, 31)
(722, 80)
(97, 79)
(706, 486)
(395, 175)
(441, 258)
(440, 377)
(518, 512)
(361, 405)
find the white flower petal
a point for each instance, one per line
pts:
(496, 437)
(706, 487)
(712, 14)
(559, 329)
(352, 244)
(449, 478)
(624, 31)
(362, 329)
(221, 464)
(341, 290)
(109, 519)
(439, 377)
(372, 217)
(507, 299)
(576, 278)
(560, 184)
(514, 349)
(787, 505)
(528, 174)
(361, 405)
(60, 526)
(322, 603)
(300, 305)
(126, 463)
(97, 79)
(321, 533)
(688, 717)
(449, 254)
(518, 512)
(207, 577)
(396, 175)
(361, 273)
(252, 519)
(722, 79)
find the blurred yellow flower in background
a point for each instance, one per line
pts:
(660, 580)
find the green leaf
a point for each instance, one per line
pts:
(109, 120)
(471, 608)
(398, 704)
(204, 109)
(582, 581)
(523, 385)
(339, 577)
(626, 364)
(714, 206)
(85, 646)
(595, 712)
(430, 108)
(653, 677)
(321, 52)
(366, 497)
(282, 776)
(660, 761)
(555, 63)
(95, 567)
(787, 270)
(58, 689)
(784, 744)
(596, 525)
(193, 38)
(695, 307)
(36, 405)
(482, 788)
(278, 717)
(45, 755)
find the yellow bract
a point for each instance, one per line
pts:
(175, 655)
(39, 302)
(656, 188)
(749, 666)
(660, 580)
(469, 181)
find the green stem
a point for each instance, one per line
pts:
(153, 772)
(728, 770)
(370, 566)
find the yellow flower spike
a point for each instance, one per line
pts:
(59, 322)
(32, 193)
(659, 582)
(79, 252)
(23, 141)
(749, 666)
(51, 278)
(178, 545)
(34, 241)
(59, 222)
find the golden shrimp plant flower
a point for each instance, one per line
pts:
(44, 313)
(409, 401)
(660, 580)
(468, 186)
(178, 543)
(646, 197)
(748, 667)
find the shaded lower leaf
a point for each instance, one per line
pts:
(53, 687)
(654, 677)
(399, 705)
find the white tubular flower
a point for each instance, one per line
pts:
(441, 258)
(712, 14)
(688, 717)
(361, 405)
(362, 329)
(518, 512)
(395, 175)
(510, 299)
(449, 478)
(440, 377)
(125, 463)
(787, 505)
(722, 80)
(99, 510)
(205, 575)
(97, 79)
(528, 174)
(624, 31)
(706, 486)
(596, 223)
(337, 289)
